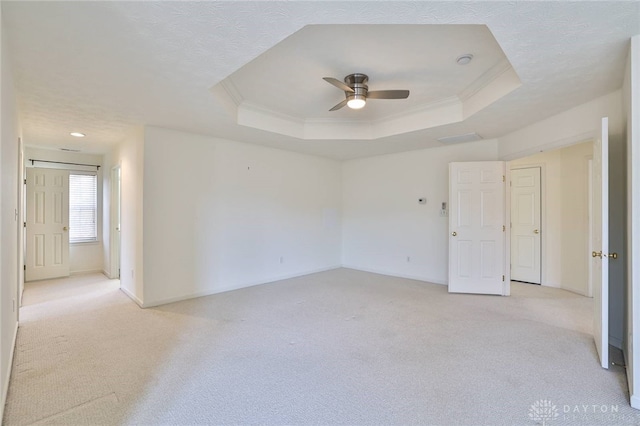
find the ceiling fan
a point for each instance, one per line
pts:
(357, 92)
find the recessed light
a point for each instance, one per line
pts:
(464, 59)
(77, 134)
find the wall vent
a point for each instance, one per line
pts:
(467, 137)
(69, 150)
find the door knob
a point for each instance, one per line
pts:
(454, 233)
(611, 255)
(597, 254)
(65, 228)
(535, 231)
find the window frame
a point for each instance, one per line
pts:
(96, 239)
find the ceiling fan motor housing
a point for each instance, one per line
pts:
(358, 82)
(356, 91)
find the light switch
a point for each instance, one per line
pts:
(443, 209)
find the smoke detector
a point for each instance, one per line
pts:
(464, 59)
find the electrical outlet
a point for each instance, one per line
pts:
(281, 259)
(408, 259)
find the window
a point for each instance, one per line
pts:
(83, 197)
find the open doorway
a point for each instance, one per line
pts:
(550, 234)
(566, 244)
(526, 215)
(72, 207)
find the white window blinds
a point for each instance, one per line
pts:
(83, 194)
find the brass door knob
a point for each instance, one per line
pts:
(535, 231)
(597, 254)
(65, 228)
(611, 255)
(454, 233)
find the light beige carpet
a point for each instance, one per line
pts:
(338, 347)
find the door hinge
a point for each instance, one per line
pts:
(504, 228)
(25, 181)
(24, 267)
(503, 278)
(503, 178)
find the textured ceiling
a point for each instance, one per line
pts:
(282, 90)
(105, 67)
(422, 58)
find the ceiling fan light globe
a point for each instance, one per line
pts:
(356, 102)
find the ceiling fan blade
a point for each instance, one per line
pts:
(388, 94)
(340, 85)
(340, 105)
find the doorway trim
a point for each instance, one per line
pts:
(543, 214)
(21, 219)
(590, 221)
(114, 225)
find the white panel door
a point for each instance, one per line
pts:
(600, 238)
(47, 244)
(525, 225)
(476, 228)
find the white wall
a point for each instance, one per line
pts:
(578, 124)
(220, 215)
(383, 223)
(575, 231)
(631, 91)
(9, 277)
(84, 257)
(129, 155)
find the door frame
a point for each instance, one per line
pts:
(115, 209)
(21, 219)
(590, 222)
(543, 214)
(506, 285)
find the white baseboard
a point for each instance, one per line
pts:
(393, 274)
(232, 287)
(628, 371)
(132, 297)
(5, 385)
(635, 402)
(615, 341)
(185, 297)
(108, 275)
(86, 271)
